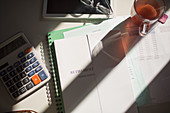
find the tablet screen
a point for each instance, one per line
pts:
(72, 7)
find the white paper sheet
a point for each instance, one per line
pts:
(104, 27)
(76, 75)
(146, 60)
(105, 90)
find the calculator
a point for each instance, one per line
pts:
(21, 69)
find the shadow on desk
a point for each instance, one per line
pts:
(105, 61)
(30, 17)
(159, 87)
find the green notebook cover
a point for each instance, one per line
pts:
(55, 35)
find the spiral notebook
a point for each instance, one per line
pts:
(71, 99)
(55, 35)
(90, 88)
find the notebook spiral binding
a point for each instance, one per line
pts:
(54, 73)
(51, 36)
(47, 85)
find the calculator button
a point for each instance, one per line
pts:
(27, 50)
(16, 78)
(16, 63)
(30, 55)
(19, 84)
(2, 73)
(26, 80)
(31, 73)
(13, 88)
(42, 75)
(33, 60)
(22, 75)
(21, 54)
(26, 64)
(6, 78)
(13, 73)
(10, 68)
(38, 69)
(29, 86)
(19, 69)
(28, 69)
(16, 94)
(23, 59)
(35, 64)
(36, 80)
(9, 83)
(22, 90)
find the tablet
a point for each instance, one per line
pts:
(75, 9)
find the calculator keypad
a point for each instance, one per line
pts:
(23, 74)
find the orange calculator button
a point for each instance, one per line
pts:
(27, 50)
(36, 79)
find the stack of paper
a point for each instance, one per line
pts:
(96, 75)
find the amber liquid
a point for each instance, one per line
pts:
(146, 11)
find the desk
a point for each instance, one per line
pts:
(24, 15)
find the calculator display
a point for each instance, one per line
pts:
(12, 46)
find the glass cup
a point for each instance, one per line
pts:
(147, 12)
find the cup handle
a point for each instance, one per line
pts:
(144, 28)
